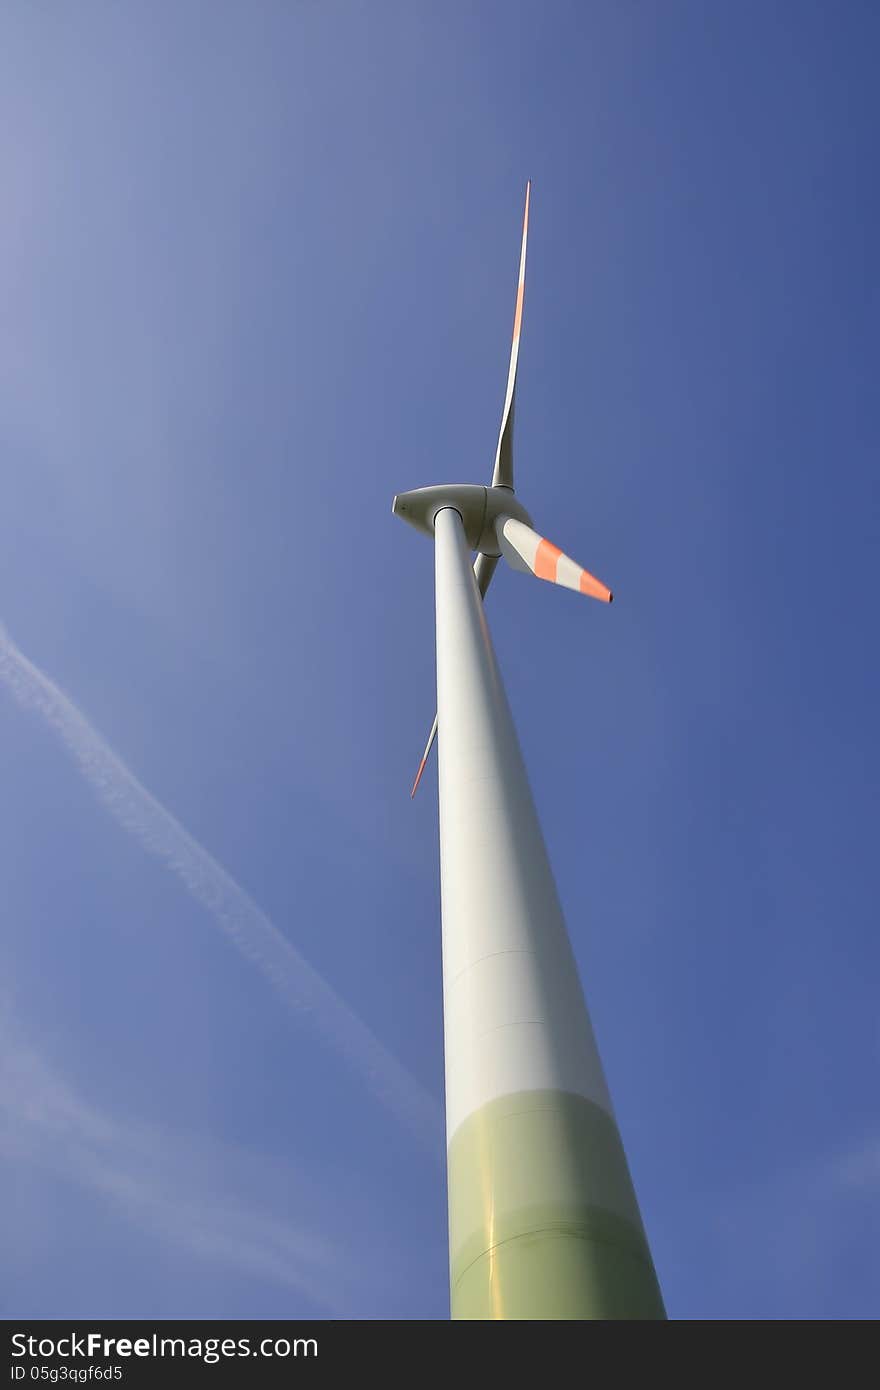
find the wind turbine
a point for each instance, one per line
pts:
(543, 1218)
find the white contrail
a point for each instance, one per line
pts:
(244, 923)
(212, 1200)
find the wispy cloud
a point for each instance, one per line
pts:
(167, 1186)
(798, 1241)
(857, 1169)
(244, 923)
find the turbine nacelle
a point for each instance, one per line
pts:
(480, 508)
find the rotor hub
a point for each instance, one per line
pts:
(478, 507)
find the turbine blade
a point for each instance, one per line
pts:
(484, 568)
(525, 550)
(502, 475)
(428, 746)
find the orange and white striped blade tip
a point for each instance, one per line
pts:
(502, 474)
(428, 746)
(525, 550)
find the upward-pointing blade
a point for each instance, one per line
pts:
(502, 475)
(484, 568)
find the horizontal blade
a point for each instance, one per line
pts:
(484, 568)
(524, 549)
(502, 475)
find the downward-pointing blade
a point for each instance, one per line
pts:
(524, 549)
(428, 746)
(502, 475)
(484, 568)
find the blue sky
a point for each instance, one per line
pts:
(257, 273)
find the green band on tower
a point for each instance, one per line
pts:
(543, 1220)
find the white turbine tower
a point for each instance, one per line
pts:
(543, 1219)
